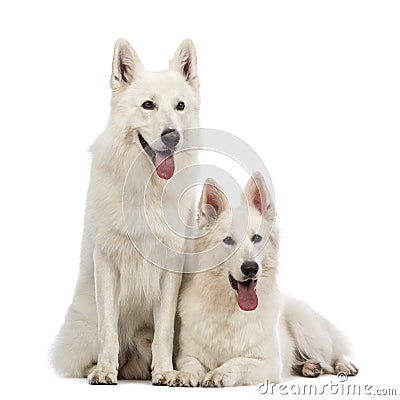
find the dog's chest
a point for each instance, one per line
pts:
(139, 287)
(219, 336)
(152, 220)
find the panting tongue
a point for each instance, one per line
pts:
(247, 297)
(165, 165)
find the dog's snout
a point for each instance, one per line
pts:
(249, 269)
(170, 137)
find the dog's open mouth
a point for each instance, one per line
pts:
(162, 160)
(247, 297)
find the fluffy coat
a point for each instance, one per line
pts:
(220, 344)
(120, 322)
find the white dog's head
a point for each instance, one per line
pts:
(244, 240)
(153, 108)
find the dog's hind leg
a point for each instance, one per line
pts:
(344, 366)
(316, 340)
(75, 349)
(312, 369)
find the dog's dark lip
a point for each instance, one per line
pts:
(150, 152)
(147, 148)
(234, 282)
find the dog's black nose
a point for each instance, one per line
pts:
(170, 137)
(249, 269)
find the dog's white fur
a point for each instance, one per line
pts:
(120, 322)
(222, 345)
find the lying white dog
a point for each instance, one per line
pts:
(236, 328)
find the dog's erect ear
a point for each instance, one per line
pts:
(212, 202)
(185, 62)
(257, 195)
(125, 65)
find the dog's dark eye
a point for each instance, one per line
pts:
(229, 240)
(256, 238)
(148, 105)
(180, 106)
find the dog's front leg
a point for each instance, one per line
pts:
(106, 282)
(244, 371)
(164, 317)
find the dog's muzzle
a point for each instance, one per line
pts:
(162, 160)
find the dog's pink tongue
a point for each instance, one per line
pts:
(247, 297)
(165, 165)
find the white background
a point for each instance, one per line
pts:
(313, 86)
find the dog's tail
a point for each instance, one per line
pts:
(315, 338)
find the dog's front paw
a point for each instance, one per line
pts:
(103, 376)
(218, 378)
(159, 378)
(181, 378)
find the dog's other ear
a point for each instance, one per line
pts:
(125, 65)
(185, 62)
(257, 195)
(212, 202)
